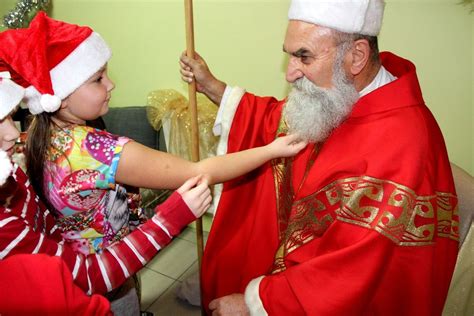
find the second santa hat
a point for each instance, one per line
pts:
(349, 16)
(55, 57)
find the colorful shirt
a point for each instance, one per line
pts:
(80, 184)
(365, 223)
(27, 227)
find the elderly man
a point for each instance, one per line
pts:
(364, 220)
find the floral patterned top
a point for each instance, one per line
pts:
(79, 179)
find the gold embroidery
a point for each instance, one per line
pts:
(300, 230)
(282, 177)
(398, 223)
(448, 215)
(355, 192)
(391, 209)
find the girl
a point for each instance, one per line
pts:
(80, 170)
(27, 227)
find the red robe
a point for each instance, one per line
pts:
(363, 224)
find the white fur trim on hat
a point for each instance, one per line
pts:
(50, 103)
(83, 62)
(6, 167)
(349, 16)
(10, 94)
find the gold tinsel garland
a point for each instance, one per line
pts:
(469, 3)
(171, 106)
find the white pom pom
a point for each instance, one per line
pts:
(6, 167)
(50, 103)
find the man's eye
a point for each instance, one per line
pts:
(305, 59)
(99, 79)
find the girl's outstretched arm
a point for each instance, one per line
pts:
(144, 167)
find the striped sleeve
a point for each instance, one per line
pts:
(100, 273)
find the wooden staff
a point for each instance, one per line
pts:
(188, 8)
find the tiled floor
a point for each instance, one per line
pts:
(161, 277)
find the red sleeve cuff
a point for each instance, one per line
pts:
(174, 214)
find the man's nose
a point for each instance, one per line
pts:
(293, 70)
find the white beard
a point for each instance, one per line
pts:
(313, 112)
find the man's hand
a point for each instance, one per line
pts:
(233, 304)
(196, 69)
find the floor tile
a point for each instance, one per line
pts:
(168, 304)
(190, 271)
(206, 222)
(153, 285)
(189, 234)
(175, 259)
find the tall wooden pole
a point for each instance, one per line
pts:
(188, 8)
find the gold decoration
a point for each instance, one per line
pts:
(469, 4)
(391, 209)
(170, 104)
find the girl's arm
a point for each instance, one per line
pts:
(144, 167)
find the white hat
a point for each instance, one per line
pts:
(11, 93)
(6, 167)
(348, 16)
(55, 58)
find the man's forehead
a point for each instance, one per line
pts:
(303, 36)
(306, 27)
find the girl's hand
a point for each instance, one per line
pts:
(286, 146)
(196, 194)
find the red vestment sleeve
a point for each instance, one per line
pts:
(242, 199)
(255, 118)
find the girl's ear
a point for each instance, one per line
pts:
(360, 56)
(64, 103)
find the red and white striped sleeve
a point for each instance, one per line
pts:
(98, 273)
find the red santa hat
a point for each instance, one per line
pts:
(55, 58)
(349, 16)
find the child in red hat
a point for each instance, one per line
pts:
(27, 227)
(37, 284)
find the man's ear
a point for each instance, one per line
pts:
(360, 56)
